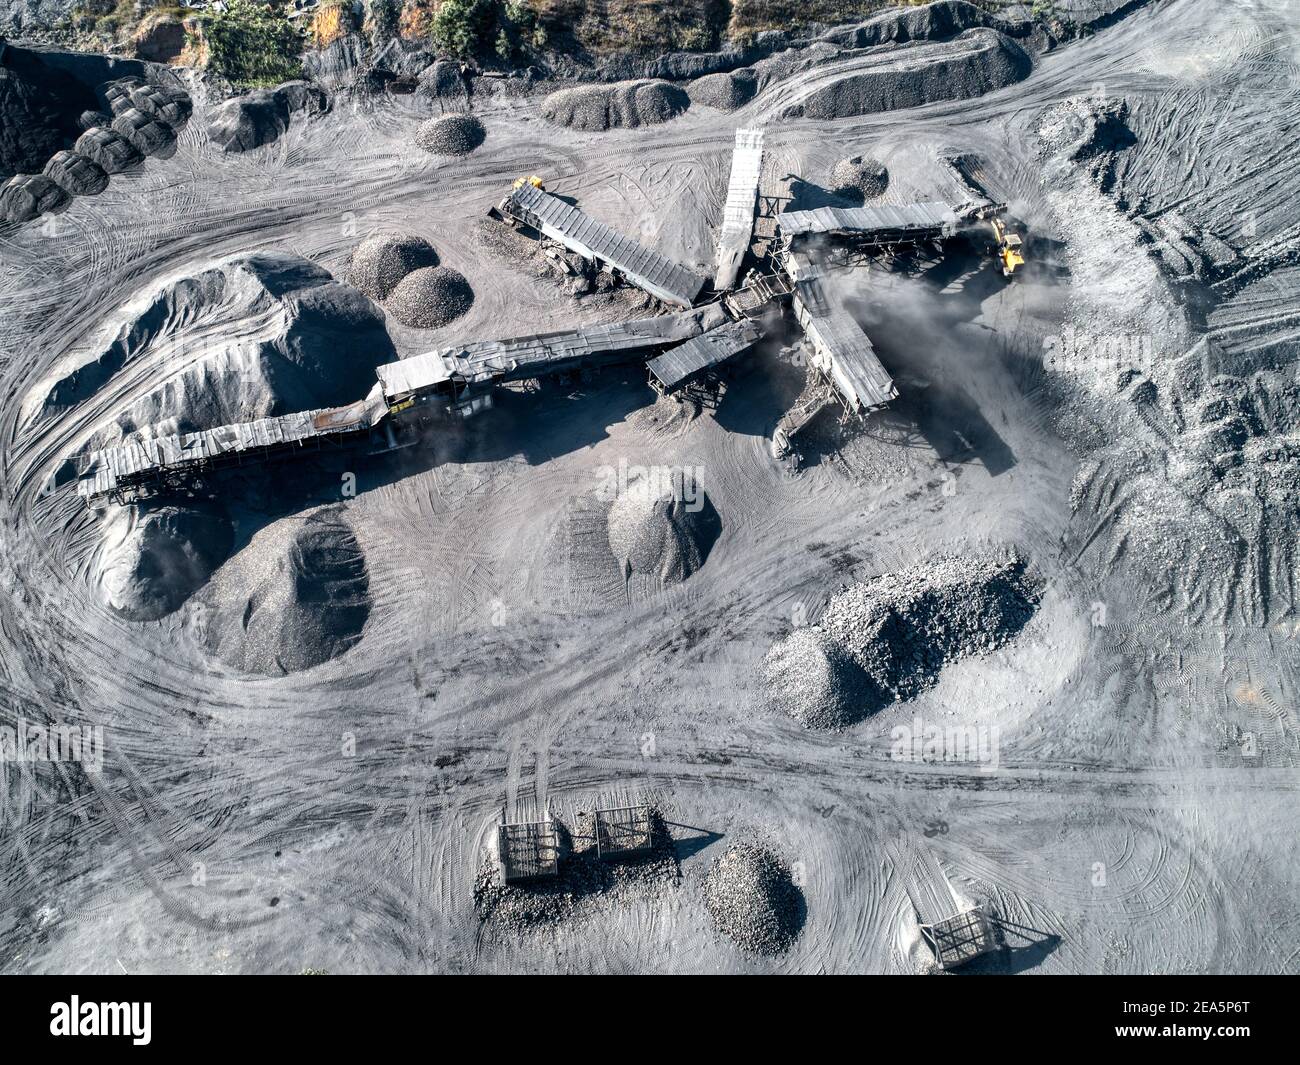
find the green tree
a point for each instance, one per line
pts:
(253, 44)
(461, 27)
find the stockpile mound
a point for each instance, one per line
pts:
(75, 174)
(381, 260)
(624, 105)
(262, 116)
(146, 134)
(903, 628)
(113, 152)
(726, 91)
(296, 596)
(752, 899)
(811, 677)
(859, 177)
(450, 135)
(152, 559)
(662, 528)
(976, 63)
(172, 108)
(28, 196)
(430, 297)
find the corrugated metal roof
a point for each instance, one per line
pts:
(912, 218)
(738, 213)
(679, 365)
(841, 350)
(646, 269)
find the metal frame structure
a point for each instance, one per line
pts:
(529, 850)
(623, 830)
(960, 938)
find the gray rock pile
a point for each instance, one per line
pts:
(450, 135)
(296, 596)
(726, 91)
(25, 197)
(113, 152)
(888, 638)
(430, 297)
(752, 899)
(623, 105)
(146, 134)
(859, 178)
(383, 259)
(662, 528)
(75, 174)
(263, 116)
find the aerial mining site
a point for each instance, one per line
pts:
(593, 488)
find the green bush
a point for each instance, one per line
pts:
(463, 27)
(253, 44)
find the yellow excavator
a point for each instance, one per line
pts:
(1008, 247)
(532, 180)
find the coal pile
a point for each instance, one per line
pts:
(151, 560)
(28, 196)
(108, 148)
(811, 677)
(726, 91)
(430, 297)
(450, 135)
(146, 134)
(296, 596)
(263, 116)
(859, 178)
(903, 628)
(383, 259)
(752, 900)
(172, 108)
(662, 528)
(976, 63)
(443, 80)
(624, 105)
(76, 175)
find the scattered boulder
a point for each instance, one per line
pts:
(624, 105)
(383, 259)
(109, 149)
(430, 297)
(76, 175)
(29, 196)
(152, 559)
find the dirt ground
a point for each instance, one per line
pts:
(1140, 816)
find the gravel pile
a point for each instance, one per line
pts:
(976, 63)
(726, 91)
(903, 628)
(450, 135)
(113, 152)
(751, 898)
(152, 559)
(146, 133)
(296, 596)
(859, 177)
(25, 197)
(663, 528)
(76, 175)
(811, 677)
(430, 297)
(623, 105)
(380, 261)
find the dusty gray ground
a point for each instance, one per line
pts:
(336, 817)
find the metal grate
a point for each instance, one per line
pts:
(624, 830)
(529, 851)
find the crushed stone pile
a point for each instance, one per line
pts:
(859, 178)
(430, 297)
(450, 135)
(973, 64)
(662, 528)
(752, 899)
(146, 133)
(75, 174)
(931, 22)
(381, 260)
(443, 80)
(726, 91)
(623, 105)
(28, 196)
(811, 677)
(296, 596)
(152, 559)
(108, 148)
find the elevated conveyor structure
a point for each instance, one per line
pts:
(738, 212)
